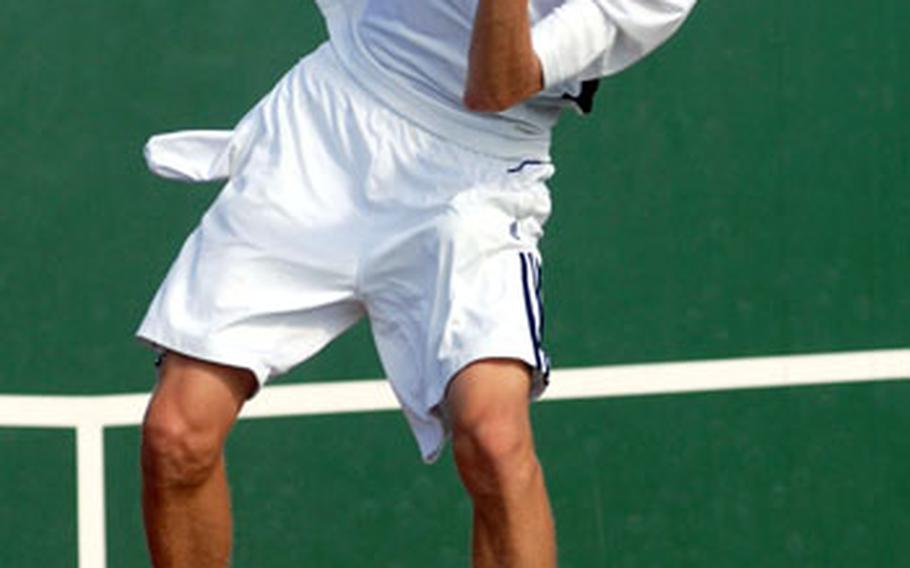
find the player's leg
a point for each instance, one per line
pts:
(185, 501)
(494, 452)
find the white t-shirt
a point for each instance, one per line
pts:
(412, 54)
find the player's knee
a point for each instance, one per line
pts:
(174, 454)
(493, 456)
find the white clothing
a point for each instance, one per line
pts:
(336, 208)
(361, 185)
(412, 55)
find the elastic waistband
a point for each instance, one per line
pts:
(485, 134)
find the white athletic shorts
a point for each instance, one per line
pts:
(337, 207)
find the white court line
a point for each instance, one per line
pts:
(566, 384)
(89, 415)
(90, 491)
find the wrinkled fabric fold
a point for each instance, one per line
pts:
(190, 155)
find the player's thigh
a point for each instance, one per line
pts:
(197, 399)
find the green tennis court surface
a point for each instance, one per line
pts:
(809, 476)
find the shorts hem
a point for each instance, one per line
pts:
(437, 412)
(204, 351)
(539, 375)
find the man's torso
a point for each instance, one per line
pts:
(413, 56)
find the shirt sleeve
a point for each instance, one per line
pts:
(586, 39)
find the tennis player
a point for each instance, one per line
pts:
(398, 172)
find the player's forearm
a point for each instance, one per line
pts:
(502, 66)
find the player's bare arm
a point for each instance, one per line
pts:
(502, 67)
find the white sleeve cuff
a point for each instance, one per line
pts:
(584, 39)
(570, 38)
